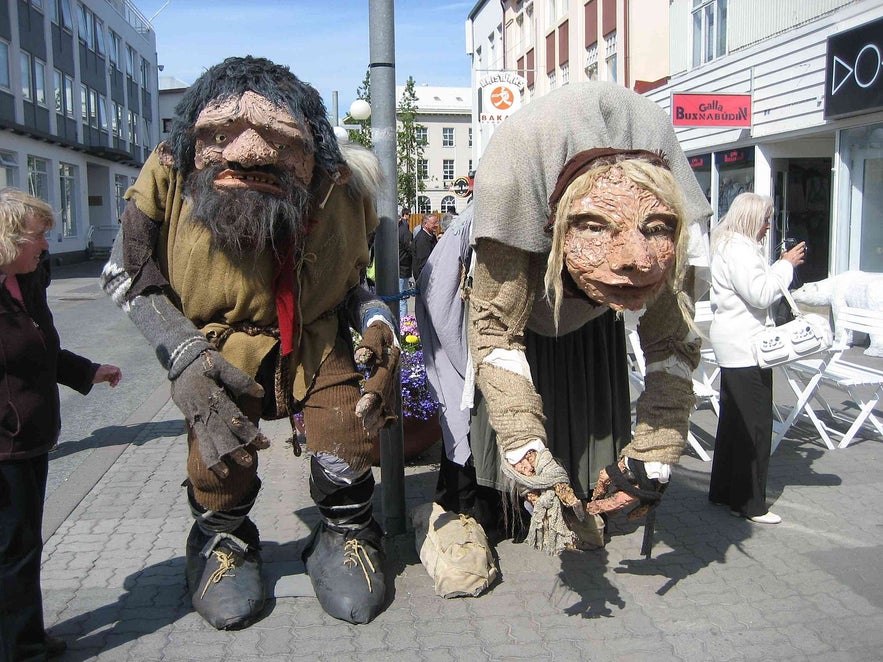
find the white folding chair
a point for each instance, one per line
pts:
(638, 371)
(863, 384)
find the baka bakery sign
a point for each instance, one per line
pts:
(854, 71)
(499, 95)
(726, 110)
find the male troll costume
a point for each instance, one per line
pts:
(584, 203)
(239, 259)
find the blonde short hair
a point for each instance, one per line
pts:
(746, 216)
(16, 207)
(657, 180)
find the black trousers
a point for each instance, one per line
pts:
(744, 436)
(22, 492)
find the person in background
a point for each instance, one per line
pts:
(406, 258)
(32, 364)
(424, 241)
(743, 287)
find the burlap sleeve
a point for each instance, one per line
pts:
(663, 409)
(499, 306)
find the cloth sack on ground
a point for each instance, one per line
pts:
(454, 550)
(803, 336)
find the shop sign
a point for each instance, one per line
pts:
(854, 70)
(727, 110)
(499, 96)
(462, 187)
(700, 162)
(734, 156)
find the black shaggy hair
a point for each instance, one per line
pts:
(237, 75)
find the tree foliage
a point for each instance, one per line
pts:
(362, 135)
(409, 148)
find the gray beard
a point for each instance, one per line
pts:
(245, 221)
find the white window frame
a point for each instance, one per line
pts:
(58, 91)
(24, 65)
(448, 136)
(708, 42)
(423, 168)
(448, 204)
(424, 205)
(9, 167)
(5, 78)
(69, 97)
(38, 178)
(120, 185)
(67, 188)
(610, 56)
(421, 133)
(448, 170)
(40, 83)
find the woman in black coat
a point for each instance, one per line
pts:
(32, 364)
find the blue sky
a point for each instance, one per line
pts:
(324, 42)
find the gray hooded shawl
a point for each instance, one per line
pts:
(528, 151)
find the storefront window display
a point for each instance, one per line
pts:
(861, 150)
(735, 176)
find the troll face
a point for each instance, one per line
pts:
(620, 243)
(254, 163)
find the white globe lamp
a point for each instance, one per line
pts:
(360, 110)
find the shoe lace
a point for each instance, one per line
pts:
(226, 562)
(355, 553)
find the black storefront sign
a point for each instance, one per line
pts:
(854, 71)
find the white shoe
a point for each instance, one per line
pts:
(767, 518)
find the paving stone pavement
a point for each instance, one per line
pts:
(716, 588)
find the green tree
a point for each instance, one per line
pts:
(409, 148)
(362, 135)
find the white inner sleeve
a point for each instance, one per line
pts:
(515, 455)
(512, 360)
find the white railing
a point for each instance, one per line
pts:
(132, 15)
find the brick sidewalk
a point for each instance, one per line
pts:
(717, 587)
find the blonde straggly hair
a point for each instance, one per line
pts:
(15, 209)
(657, 180)
(746, 215)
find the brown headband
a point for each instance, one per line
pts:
(592, 158)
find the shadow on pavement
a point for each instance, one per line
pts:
(115, 435)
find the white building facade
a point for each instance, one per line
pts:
(78, 111)
(446, 115)
(811, 71)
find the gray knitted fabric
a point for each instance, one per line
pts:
(521, 164)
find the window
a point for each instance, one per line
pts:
(470, 136)
(38, 178)
(67, 181)
(709, 30)
(422, 135)
(93, 109)
(60, 13)
(102, 112)
(69, 96)
(133, 128)
(4, 64)
(120, 184)
(99, 36)
(114, 53)
(84, 104)
(145, 132)
(448, 204)
(166, 124)
(565, 73)
(145, 73)
(422, 168)
(116, 120)
(8, 169)
(448, 169)
(25, 63)
(553, 80)
(591, 68)
(470, 168)
(447, 136)
(423, 206)
(58, 91)
(610, 51)
(38, 4)
(40, 82)
(130, 62)
(86, 28)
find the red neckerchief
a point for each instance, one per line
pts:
(285, 292)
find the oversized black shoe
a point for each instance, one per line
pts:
(224, 576)
(54, 646)
(346, 569)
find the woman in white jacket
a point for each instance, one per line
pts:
(743, 287)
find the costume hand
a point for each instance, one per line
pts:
(379, 353)
(203, 394)
(609, 497)
(527, 466)
(107, 373)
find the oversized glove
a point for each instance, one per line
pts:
(537, 471)
(379, 353)
(629, 482)
(203, 393)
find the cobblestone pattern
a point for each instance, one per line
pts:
(717, 587)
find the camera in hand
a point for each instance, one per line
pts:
(791, 242)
